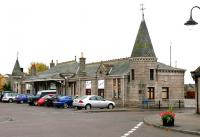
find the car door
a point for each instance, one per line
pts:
(101, 102)
(93, 101)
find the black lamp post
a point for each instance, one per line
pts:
(192, 22)
(195, 77)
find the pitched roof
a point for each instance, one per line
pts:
(69, 67)
(17, 70)
(115, 67)
(161, 66)
(143, 46)
(196, 73)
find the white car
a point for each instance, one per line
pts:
(92, 101)
(9, 97)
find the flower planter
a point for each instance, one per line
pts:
(169, 123)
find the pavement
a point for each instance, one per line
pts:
(185, 122)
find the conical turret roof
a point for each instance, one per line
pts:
(143, 46)
(17, 70)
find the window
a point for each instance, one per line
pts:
(133, 74)
(117, 88)
(165, 93)
(114, 88)
(151, 74)
(150, 93)
(88, 92)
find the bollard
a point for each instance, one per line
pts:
(159, 104)
(179, 104)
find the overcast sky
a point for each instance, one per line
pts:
(42, 30)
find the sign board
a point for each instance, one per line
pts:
(88, 84)
(101, 84)
(52, 86)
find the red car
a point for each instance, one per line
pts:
(43, 99)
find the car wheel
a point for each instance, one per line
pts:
(10, 100)
(65, 105)
(88, 107)
(110, 106)
(21, 101)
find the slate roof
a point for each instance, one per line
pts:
(196, 73)
(117, 67)
(143, 46)
(69, 67)
(17, 69)
(161, 66)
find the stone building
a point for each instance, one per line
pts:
(17, 77)
(127, 81)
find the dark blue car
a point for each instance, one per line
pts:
(64, 102)
(22, 98)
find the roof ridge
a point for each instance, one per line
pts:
(67, 62)
(105, 61)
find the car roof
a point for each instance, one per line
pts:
(46, 91)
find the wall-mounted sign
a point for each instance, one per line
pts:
(101, 84)
(52, 86)
(88, 84)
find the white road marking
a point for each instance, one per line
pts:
(132, 130)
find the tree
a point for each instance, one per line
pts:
(2, 82)
(40, 67)
(7, 87)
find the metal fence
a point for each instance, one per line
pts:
(176, 103)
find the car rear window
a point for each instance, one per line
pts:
(82, 97)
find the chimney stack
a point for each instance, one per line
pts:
(52, 64)
(82, 65)
(33, 70)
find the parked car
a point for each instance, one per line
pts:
(42, 100)
(9, 97)
(32, 101)
(49, 101)
(92, 101)
(64, 102)
(3, 92)
(22, 98)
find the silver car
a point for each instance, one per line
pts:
(9, 97)
(92, 101)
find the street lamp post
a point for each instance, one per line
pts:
(193, 22)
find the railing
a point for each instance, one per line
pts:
(176, 103)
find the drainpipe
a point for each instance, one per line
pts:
(197, 87)
(123, 91)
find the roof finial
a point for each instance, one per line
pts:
(142, 8)
(17, 54)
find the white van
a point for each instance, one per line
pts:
(45, 92)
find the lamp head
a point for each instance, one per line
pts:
(191, 22)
